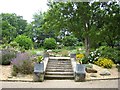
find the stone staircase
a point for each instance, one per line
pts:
(59, 69)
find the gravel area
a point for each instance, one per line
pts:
(114, 73)
(7, 70)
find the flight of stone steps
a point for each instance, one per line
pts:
(59, 69)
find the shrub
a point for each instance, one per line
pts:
(80, 58)
(110, 52)
(22, 64)
(7, 55)
(14, 44)
(80, 43)
(24, 42)
(69, 41)
(104, 62)
(50, 43)
(84, 60)
(39, 59)
(93, 56)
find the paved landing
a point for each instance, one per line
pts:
(62, 84)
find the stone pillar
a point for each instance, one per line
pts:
(80, 73)
(38, 72)
(72, 55)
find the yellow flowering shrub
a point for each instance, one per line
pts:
(104, 62)
(80, 56)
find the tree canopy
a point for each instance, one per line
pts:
(12, 25)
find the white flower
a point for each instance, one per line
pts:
(92, 54)
(97, 57)
(98, 53)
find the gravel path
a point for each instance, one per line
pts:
(62, 84)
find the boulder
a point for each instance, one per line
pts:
(91, 70)
(105, 73)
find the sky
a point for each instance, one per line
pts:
(25, 8)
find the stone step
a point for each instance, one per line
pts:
(66, 58)
(59, 73)
(59, 61)
(59, 67)
(49, 65)
(59, 70)
(59, 77)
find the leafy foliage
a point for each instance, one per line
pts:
(12, 25)
(36, 32)
(104, 62)
(91, 22)
(69, 41)
(14, 44)
(24, 42)
(50, 43)
(110, 52)
(93, 56)
(39, 59)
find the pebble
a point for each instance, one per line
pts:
(10, 76)
(93, 75)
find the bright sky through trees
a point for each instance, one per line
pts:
(25, 8)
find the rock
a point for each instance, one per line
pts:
(20, 75)
(10, 76)
(105, 73)
(38, 53)
(91, 70)
(93, 75)
(49, 50)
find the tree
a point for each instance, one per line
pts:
(84, 19)
(12, 25)
(73, 17)
(111, 28)
(35, 30)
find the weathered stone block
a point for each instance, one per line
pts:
(72, 55)
(38, 72)
(80, 73)
(80, 77)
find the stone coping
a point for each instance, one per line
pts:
(31, 80)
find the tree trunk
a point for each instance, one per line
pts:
(87, 40)
(87, 46)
